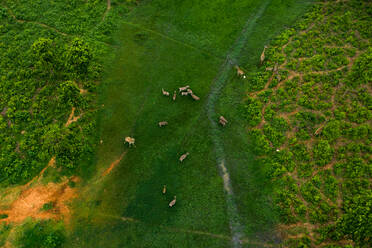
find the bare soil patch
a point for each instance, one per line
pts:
(31, 200)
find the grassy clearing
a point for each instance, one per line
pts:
(133, 105)
(134, 108)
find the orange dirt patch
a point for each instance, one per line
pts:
(114, 164)
(83, 91)
(9, 194)
(30, 202)
(72, 118)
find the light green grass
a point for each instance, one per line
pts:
(133, 105)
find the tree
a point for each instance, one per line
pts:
(52, 139)
(361, 72)
(78, 56)
(332, 130)
(322, 153)
(252, 111)
(356, 223)
(69, 93)
(43, 53)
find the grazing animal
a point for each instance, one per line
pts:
(130, 141)
(239, 72)
(223, 121)
(185, 93)
(173, 202)
(184, 88)
(184, 156)
(165, 93)
(164, 189)
(101, 141)
(263, 55)
(163, 123)
(319, 130)
(189, 91)
(174, 95)
(195, 97)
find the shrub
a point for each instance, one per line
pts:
(41, 235)
(322, 152)
(78, 56)
(252, 111)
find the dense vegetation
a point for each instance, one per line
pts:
(309, 110)
(50, 68)
(50, 64)
(43, 234)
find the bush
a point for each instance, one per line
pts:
(361, 72)
(41, 235)
(69, 93)
(43, 51)
(251, 110)
(322, 152)
(78, 56)
(356, 222)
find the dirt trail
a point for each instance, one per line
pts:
(51, 163)
(107, 9)
(34, 22)
(72, 118)
(47, 26)
(114, 164)
(216, 88)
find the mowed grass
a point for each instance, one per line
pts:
(133, 105)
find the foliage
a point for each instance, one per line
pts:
(252, 111)
(322, 152)
(47, 206)
(78, 56)
(46, 71)
(319, 114)
(43, 53)
(41, 235)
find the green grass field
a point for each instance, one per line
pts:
(168, 44)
